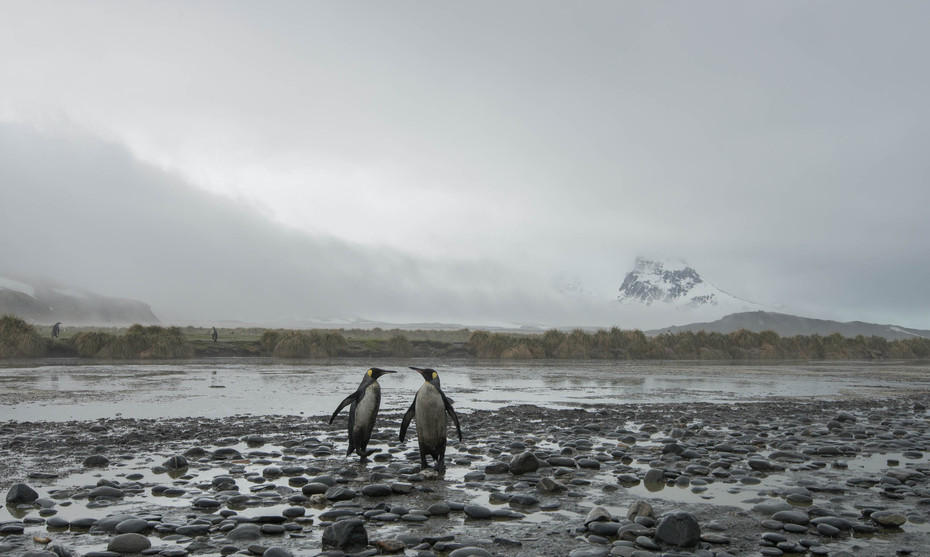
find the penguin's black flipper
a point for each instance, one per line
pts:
(348, 400)
(451, 411)
(405, 423)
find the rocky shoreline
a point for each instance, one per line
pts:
(785, 477)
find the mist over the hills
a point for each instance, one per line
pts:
(85, 212)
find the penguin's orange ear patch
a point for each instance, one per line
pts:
(435, 375)
(369, 373)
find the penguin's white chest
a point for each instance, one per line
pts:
(367, 409)
(430, 414)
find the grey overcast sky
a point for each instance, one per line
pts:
(464, 161)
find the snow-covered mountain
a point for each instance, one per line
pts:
(672, 283)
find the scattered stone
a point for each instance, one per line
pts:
(349, 534)
(640, 508)
(799, 499)
(608, 529)
(206, 503)
(470, 552)
(597, 514)
(129, 543)
(654, 476)
(477, 511)
(193, 529)
(497, 468)
(376, 490)
(82, 523)
(523, 463)
(20, 493)
(792, 517)
(176, 462)
(11, 528)
(646, 542)
(96, 461)
(590, 552)
(764, 465)
(627, 480)
(56, 522)
(438, 509)
(548, 485)
(562, 461)
(340, 493)
(245, 532)
(888, 519)
(679, 528)
(294, 512)
(132, 526)
(106, 491)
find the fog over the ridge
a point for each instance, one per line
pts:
(85, 212)
(481, 154)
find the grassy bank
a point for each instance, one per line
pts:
(617, 344)
(21, 340)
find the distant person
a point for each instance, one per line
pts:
(214, 334)
(56, 329)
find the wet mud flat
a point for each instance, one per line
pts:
(782, 477)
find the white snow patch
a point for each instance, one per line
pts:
(70, 293)
(905, 331)
(17, 286)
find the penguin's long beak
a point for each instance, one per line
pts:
(378, 372)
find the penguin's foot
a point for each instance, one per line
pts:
(370, 452)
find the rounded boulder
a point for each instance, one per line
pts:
(129, 543)
(679, 528)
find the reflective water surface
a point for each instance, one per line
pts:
(70, 389)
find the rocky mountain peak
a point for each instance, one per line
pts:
(668, 282)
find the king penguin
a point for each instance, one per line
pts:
(365, 402)
(430, 406)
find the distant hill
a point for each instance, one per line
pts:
(39, 302)
(791, 325)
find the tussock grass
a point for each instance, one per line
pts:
(88, 344)
(399, 346)
(19, 339)
(269, 341)
(313, 344)
(619, 344)
(148, 343)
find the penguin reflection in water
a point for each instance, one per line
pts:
(365, 402)
(430, 406)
